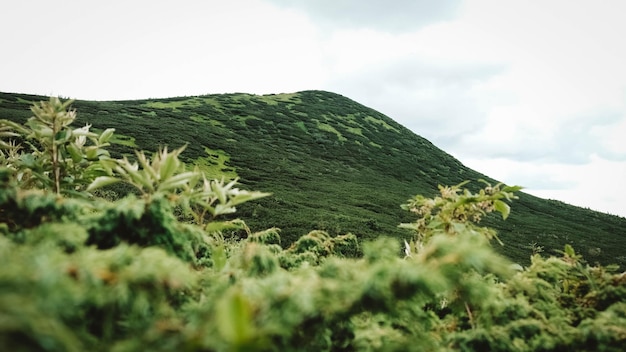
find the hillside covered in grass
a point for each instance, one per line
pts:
(331, 164)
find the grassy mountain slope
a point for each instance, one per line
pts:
(331, 164)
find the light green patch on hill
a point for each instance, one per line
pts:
(350, 118)
(23, 101)
(130, 115)
(197, 118)
(216, 123)
(213, 102)
(301, 125)
(121, 139)
(269, 99)
(175, 104)
(149, 113)
(204, 119)
(273, 99)
(300, 113)
(375, 145)
(328, 128)
(243, 119)
(215, 165)
(238, 97)
(354, 130)
(381, 122)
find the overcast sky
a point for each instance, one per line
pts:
(531, 93)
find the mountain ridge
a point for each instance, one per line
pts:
(331, 163)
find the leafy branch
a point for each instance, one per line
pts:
(165, 175)
(47, 153)
(458, 211)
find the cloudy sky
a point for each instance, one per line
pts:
(529, 92)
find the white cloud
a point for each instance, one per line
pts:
(134, 50)
(596, 185)
(386, 16)
(537, 89)
(611, 137)
(435, 99)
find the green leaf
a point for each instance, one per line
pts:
(569, 251)
(512, 188)
(75, 153)
(462, 184)
(102, 181)
(106, 135)
(63, 135)
(219, 256)
(168, 167)
(221, 209)
(435, 224)
(219, 190)
(235, 316)
(410, 226)
(29, 161)
(245, 196)
(4, 134)
(177, 181)
(131, 173)
(146, 167)
(459, 227)
(91, 153)
(503, 208)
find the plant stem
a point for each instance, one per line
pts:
(55, 158)
(470, 315)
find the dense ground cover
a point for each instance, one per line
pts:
(331, 164)
(159, 269)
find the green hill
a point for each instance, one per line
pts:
(332, 164)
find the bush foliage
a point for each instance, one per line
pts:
(162, 269)
(330, 163)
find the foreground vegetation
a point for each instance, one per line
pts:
(158, 270)
(331, 164)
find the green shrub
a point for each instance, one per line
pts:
(86, 273)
